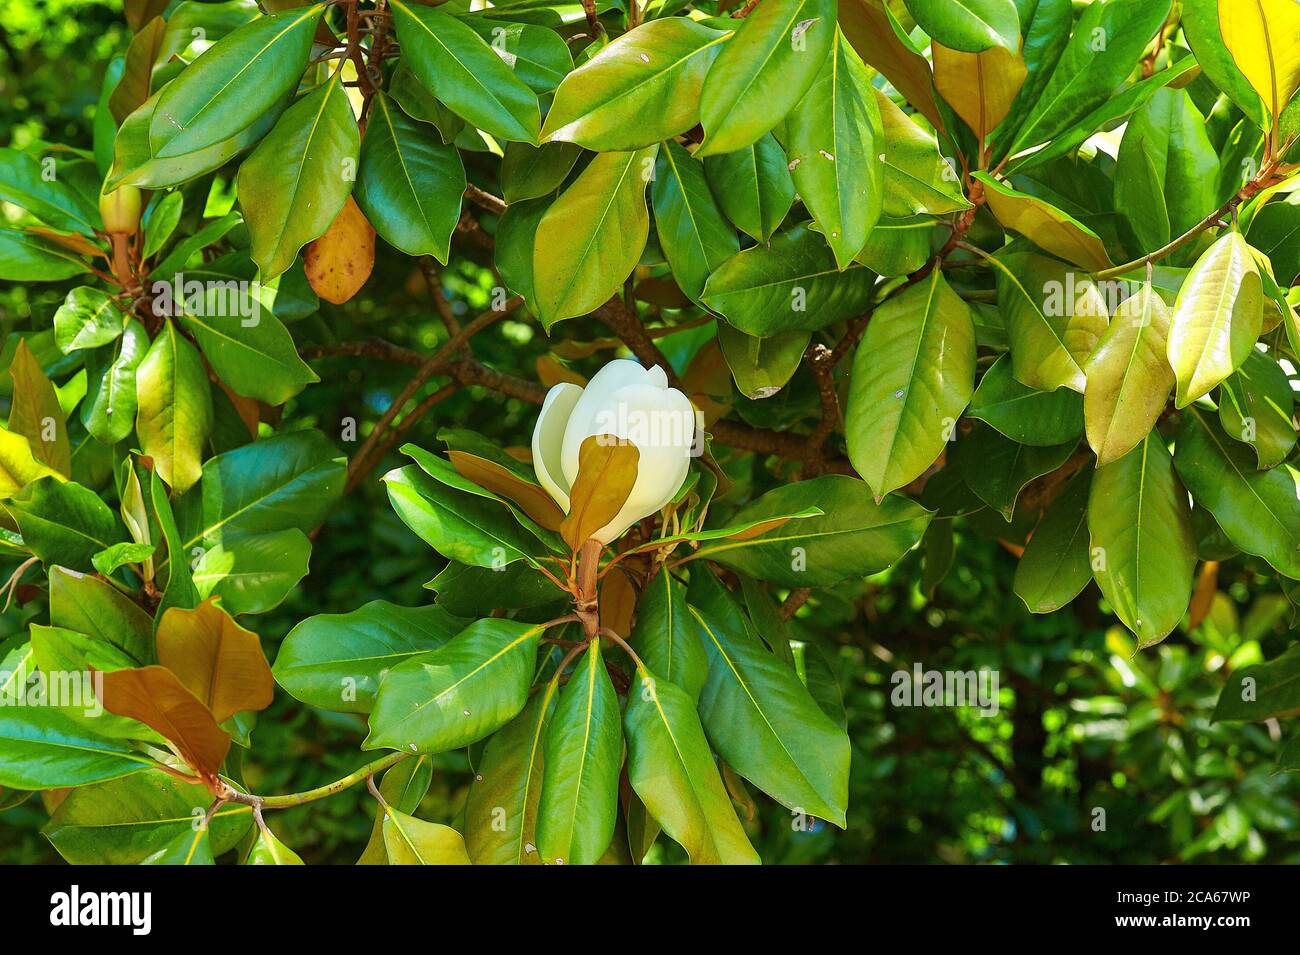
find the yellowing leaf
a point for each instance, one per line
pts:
(36, 413)
(1263, 36)
(607, 470)
(154, 696)
(216, 659)
(1217, 318)
(339, 262)
(1048, 227)
(18, 467)
(980, 86)
(412, 841)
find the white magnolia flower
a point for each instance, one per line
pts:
(629, 402)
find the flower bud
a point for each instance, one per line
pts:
(628, 402)
(120, 210)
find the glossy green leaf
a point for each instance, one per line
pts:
(43, 748)
(666, 638)
(671, 768)
(913, 375)
(1129, 378)
(1259, 511)
(790, 284)
(252, 352)
(761, 367)
(693, 233)
(63, 522)
(38, 187)
(412, 841)
(641, 88)
(530, 172)
(1049, 228)
(591, 238)
(410, 185)
(763, 71)
(268, 850)
(764, 723)
(753, 186)
(1023, 414)
(1263, 691)
(335, 661)
(87, 318)
(1255, 407)
(855, 537)
(1141, 539)
(969, 25)
(583, 752)
(109, 409)
(86, 604)
(253, 574)
(537, 54)
(236, 80)
(457, 66)
(1200, 23)
(1217, 318)
(998, 469)
(25, 257)
(403, 787)
(501, 808)
(173, 407)
(298, 178)
(453, 696)
(833, 137)
(1055, 566)
(917, 178)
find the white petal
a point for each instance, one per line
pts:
(548, 440)
(596, 398)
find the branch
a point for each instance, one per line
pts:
(230, 794)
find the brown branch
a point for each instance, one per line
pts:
(627, 326)
(821, 360)
(485, 200)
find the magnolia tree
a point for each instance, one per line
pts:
(1033, 262)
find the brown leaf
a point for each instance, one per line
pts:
(531, 498)
(36, 413)
(617, 602)
(551, 372)
(72, 241)
(1207, 585)
(607, 469)
(154, 696)
(216, 659)
(339, 262)
(137, 75)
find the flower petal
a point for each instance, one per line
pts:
(548, 440)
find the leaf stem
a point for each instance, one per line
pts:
(230, 794)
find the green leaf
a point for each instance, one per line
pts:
(1085, 76)
(898, 246)
(253, 574)
(1200, 23)
(410, 185)
(670, 766)
(173, 408)
(1048, 227)
(1055, 566)
(87, 318)
(63, 522)
(530, 172)
(1143, 546)
(583, 752)
(160, 222)
(1261, 36)
(268, 850)
(336, 661)
(1273, 232)
(88, 605)
(1259, 511)
(403, 787)
(792, 283)
(537, 54)
(969, 25)
(1263, 691)
(26, 258)
(761, 366)
(412, 841)
(454, 64)
(834, 137)
(753, 186)
(41, 747)
(913, 375)
(180, 590)
(298, 178)
(763, 721)
(592, 236)
(763, 71)
(38, 187)
(37, 413)
(1054, 319)
(1129, 378)
(1255, 407)
(501, 808)
(695, 237)
(997, 468)
(917, 177)
(641, 88)
(253, 353)
(1217, 318)
(855, 537)
(110, 559)
(453, 696)
(188, 848)
(1023, 414)
(234, 82)
(124, 821)
(1166, 171)
(880, 40)
(665, 637)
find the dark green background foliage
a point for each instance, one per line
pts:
(1086, 720)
